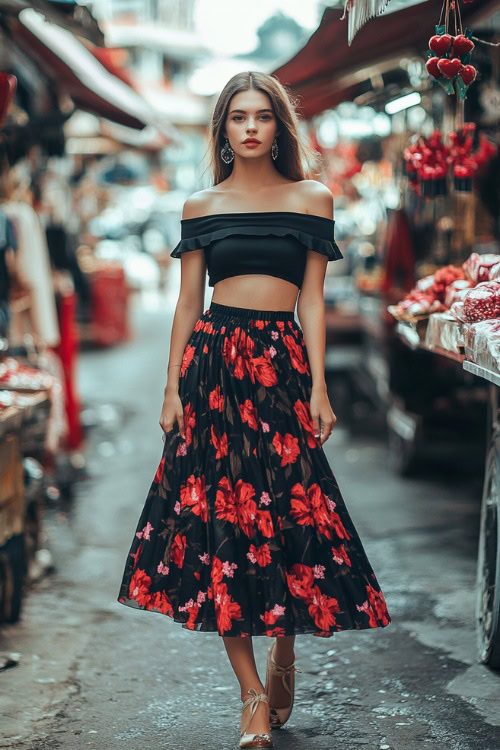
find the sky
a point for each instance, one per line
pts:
(229, 27)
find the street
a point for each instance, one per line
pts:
(90, 677)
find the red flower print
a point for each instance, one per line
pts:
(215, 399)
(263, 370)
(264, 523)
(296, 354)
(237, 351)
(270, 616)
(178, 549)
(159, 471)
(205, 349)
(262, 554)
(287, 447)
(187, 358)
(220, 444)
(281, 325)
(216, 572)
(137, 553)
(246, 506)
(139, 587)
(260, 324)
(291, 326)
(378, 605)
(160, 601)
(300, 581)
(208, 327)
(275, 631)
(194, 496)
(312, 508)
(303, 412)
(226, 609)
(236, 505)
(340, 556)
(198, 325)
(323, 608)
(225, 502)
(189, 416)
(248, 413)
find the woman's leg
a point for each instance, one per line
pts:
(241, 656)
(284, 655)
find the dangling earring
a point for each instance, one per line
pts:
(227, 153)
(274, 150)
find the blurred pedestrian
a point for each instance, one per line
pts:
(244, 531)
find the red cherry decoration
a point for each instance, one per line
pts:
(462, 45)
(468, 74)
(449, 68)
(440, 44)
(432, 67)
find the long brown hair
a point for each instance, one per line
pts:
(296, 158)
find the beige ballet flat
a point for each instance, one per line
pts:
(278, 716)
(254, 740)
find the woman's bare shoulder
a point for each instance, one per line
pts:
(316, 197)
(198, 204)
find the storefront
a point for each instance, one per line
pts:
(416, 208)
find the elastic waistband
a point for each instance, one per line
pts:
(247, 312)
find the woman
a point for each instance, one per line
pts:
(244, 531)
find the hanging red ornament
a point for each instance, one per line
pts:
(468, 74)
(449, 68)
(440, 44)
(432, 67)
(462, 45)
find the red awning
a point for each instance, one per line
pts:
(323, 72)
(76, 71)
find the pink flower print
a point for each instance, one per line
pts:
(272, 351)
(145, 533)
(201, 597)
(319, 571)
(251, 557)
(278, 611)
(187, 606)
(275, 335)
(205, 558)
(228, 569)
(163, 569)
(265, 426)
(331, 504)
(338, 559)
(265, 499)
(182, 448)
(177, 507)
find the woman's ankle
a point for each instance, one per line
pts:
(245, 694)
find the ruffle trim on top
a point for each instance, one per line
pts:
(311, 242)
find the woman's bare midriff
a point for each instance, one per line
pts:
(257, 291)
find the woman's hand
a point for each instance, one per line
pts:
(171, 412)
(322, 414)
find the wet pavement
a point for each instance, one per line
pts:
(96, 674)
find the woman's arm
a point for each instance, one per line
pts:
(311, 314)
(188, 310)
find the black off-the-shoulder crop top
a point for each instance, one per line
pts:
(269, 242)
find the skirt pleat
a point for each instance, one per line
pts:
(244, 530)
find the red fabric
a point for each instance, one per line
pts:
(67, 350)
(109, 306)
(399, 258)
(320, 72)
(8, 84)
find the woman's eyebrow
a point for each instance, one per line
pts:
(245, 112)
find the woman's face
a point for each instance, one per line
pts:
(250, 115)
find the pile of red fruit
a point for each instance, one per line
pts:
(451, 286)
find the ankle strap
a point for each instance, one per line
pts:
(280, 671)
(254, 701)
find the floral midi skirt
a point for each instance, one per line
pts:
(244, 530)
